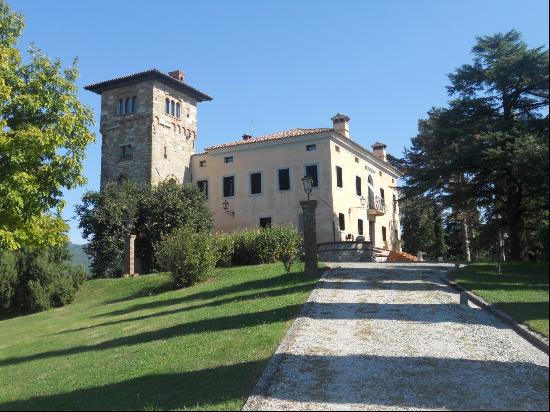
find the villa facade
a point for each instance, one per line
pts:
(148, 126)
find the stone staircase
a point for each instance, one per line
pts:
(400, 257)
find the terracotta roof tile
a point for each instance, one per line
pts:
(147, 74)
(274, 136)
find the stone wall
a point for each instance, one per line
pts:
(345, 252)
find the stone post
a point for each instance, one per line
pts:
(128, 265)
(310, 235)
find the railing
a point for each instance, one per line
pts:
(377, 204)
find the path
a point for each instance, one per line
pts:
(382, 336)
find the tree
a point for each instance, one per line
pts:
(109, 216)
(417, 224)
(43, 137)
(489, 149)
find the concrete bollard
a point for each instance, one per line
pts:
(463, 298)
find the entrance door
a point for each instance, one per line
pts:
(372, 233)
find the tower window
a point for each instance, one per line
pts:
(228, 159)
(311, 147)
(202, 163)
(358, 185)
(178, 110)
(127, 105)
(173, 108)
(120, 106)
(126, 152)
(167, 106)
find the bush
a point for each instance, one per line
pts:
(8, 277)
(269, 245)
(38, 279)
(108, 216)
(188, 256)
(225, 246)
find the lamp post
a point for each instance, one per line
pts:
(307, 181)
(129, 262)
(310, 230)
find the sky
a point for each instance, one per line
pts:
(277, 65)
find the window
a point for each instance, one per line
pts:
(120, 106)
(311, 171)
(337, 148)
(165, 154)
(383, 233)
(311, 147)
(382, 194)
(356, 160)
(126, 152)
(339, 180)
(265, 222)
(203, 187)
(342, 221)
(396, 234)
(133, 104)
(202, 163)
(127, 105)
(284, 179)
(173, 108)
(394, 203)
(178, 110)
(255, 183)
(228, 159)
(229, 186)
(358, 185)
(167, 106)
(360, 227)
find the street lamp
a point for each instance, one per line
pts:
(307, 181)
(225, 205)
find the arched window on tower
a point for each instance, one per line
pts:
(178, 110)
(172, 108)
(127, 105)
(167, 106)
(133, 105)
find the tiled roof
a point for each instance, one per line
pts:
(274, 136)
(148, 74)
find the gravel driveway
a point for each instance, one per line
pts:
(393, 336)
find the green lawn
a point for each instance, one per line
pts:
(131, 344)
(521, 290)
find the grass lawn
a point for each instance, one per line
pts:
(131, 344)
(521, 290)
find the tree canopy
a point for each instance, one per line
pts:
(44, 131)
(488, 149)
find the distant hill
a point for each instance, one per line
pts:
(79, 257)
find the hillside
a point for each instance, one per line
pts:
(131, 344)
(79, 257)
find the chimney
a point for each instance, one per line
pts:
(247, 136)
(177, 74)
(379, 150)
(340, 124)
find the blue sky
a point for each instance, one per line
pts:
(276, 65)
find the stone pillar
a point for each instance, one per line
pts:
(310, 235)
(128, 265)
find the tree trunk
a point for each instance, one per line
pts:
(501, 251)
(466, 241)
(518, 237)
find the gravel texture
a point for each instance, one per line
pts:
(393, 336)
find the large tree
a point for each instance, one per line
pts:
(43, 137)
(489, 148)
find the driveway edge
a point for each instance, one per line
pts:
(540, 342)
(260, 390)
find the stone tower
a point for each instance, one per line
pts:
(148, 126)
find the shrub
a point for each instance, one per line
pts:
(8, 277)
(254, 246)
(38, 279)
(188, 256)
(225, 246)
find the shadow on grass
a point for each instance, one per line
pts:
(272, 282)
(240, 298)
(525, 311)
(173, 391)
(208, 325)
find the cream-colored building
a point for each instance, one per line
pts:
(257, 181)
(148, 125)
